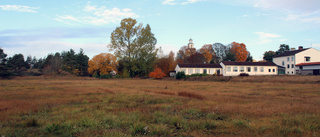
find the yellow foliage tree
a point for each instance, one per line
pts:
(103, 63)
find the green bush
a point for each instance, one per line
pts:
(106, 76)
(198, 74)
(180, 75)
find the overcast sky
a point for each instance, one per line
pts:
(39, 27)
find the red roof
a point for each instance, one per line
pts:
(248, 63)
(308, 64)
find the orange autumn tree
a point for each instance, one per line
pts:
(157, 73)
(166, 63)
(208, 52)
(240, 51)
(103, 63)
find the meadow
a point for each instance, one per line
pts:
(80, 106)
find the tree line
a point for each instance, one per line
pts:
(135, 55)
(66, 61)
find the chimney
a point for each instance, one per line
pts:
(300, 48)
(292, 49)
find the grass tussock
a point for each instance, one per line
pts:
(190, 95)
(71, 106)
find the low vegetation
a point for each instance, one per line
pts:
(73, 106)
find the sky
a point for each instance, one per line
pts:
(39, 27)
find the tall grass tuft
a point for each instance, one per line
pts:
(190, 95)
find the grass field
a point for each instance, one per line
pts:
(71, 106)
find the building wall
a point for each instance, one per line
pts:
(288, 64)
(190, 71)
(244, 69)
(312, 53)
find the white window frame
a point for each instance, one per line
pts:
(211, 71)
(234, 69)
(261, 69)
(241, 69)
(228, 69)
(197, 71)
(190, 72)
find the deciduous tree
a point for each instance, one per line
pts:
(240, 51)
(220, 50)
(135, 45)
(166, 63)
(267, 56)
(196, 58)
(283, 48)
(157, 73)
(103, 63)
(207, 52)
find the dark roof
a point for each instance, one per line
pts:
(199, 65)
(249, 63)
(308, 64)
(289, 53)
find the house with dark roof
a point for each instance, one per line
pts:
(311, 68)
(290, 59)
(190, 69)
(231, 68)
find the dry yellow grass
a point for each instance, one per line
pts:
(186, 107)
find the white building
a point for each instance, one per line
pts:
(231, 68)
(190, 69)
(289, 59)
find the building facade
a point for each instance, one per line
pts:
(289, 59)
(231, 68)
(190, 69)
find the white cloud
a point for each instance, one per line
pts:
(303, 5)
(19, 8)
(180, 2)
(98, 15)
(265, 38)
(264, 35)
(305, 17)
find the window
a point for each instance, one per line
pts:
(235, 69)
(288, 66)
(282, 63)
(197, 70)
(228, 69)
(261, 69)
(292, 58)
(292, 65)
(190, 71)
(273, 70)
(204, 71)
(218, 71)
(255, 69)
(211, 71)
(288, 59)
(307, 59)
(241, 69)
(292, 72)
(248, 69)
(269, 70)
